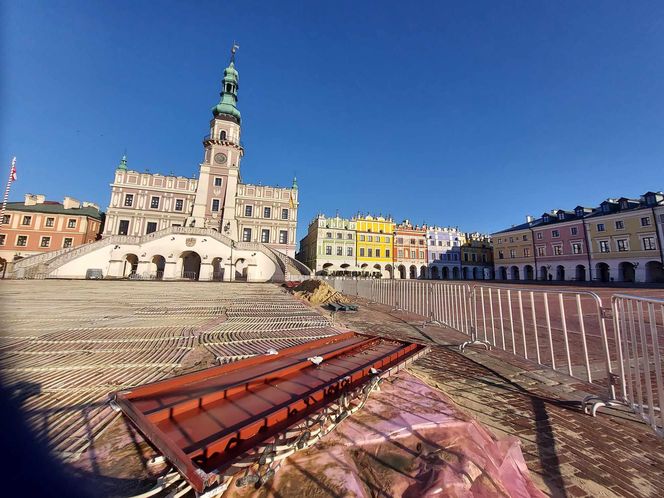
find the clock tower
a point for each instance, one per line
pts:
(214, 206)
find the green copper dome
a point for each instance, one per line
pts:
(123, 163)
(228, 103)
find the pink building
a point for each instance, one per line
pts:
(561, 249)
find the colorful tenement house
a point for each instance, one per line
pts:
(476, 257)
(619, 241)
(410, 251)
(329, 246)
(444, 252)
(37, 226)
(374, 245)
(623, 240)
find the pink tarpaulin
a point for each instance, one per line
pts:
(409, 440)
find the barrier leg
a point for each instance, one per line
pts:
(474, 340)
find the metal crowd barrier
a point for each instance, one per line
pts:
(566, 331)
(639, 330)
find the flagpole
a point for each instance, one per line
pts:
(12, 175)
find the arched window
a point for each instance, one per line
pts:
(222, 135)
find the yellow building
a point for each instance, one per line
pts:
(623, 240)
(375, 239)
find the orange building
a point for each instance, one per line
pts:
(410, 251)
(37, 225)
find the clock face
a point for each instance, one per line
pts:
(220, 158)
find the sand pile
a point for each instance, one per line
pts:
(318, 292)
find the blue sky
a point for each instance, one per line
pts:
(470, 114)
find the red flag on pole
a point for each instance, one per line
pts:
(12, 174)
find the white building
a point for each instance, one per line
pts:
(171, 227)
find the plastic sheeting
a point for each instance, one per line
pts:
(409, 440)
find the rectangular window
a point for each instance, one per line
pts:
(27, 220)
(539, 235)
(129, 200)
(179, 204)
(511, 239)
(22, 240)
(349, 236)
(440, 243)
(5, 219)
(151, 227)
(328, 250)
(215, 205)
(558, 250)
(501, 255)
(526, 252)
(465, 256)
(2, 239)
(369, 252)
(67, 242)
(340, 251)
(603, 246)
(284, 214)
(283, 237)
(362, 238)
(525, 237)
(555, 233)
(265, 236)
(387, 253)
(45, 242)
(361, 252)
(340, 235)
(246, 235)
(349, 251)
(248, 211)
(541, 251)
(512, 253)
(50, 222)
(622, 245)
(217, 181)
(328, 235)
(600, 227)
(378, 253)
(620, 225)
(267, 212)
(154, 202)
(576, 248)
(71, 223)
(124, 227)
(645, 222)
(649, 244)
(474, 258)
(400, 253)
(573, 230)
(421, 254)
(370, 238)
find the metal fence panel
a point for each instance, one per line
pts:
(639, 330)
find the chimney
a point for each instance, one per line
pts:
(529, 219)
(34, 199)
(71, 203)
(90, 204)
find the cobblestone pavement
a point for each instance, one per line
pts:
(568, 453)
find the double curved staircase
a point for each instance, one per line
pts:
(41, 265)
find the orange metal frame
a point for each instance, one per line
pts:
(203, 421)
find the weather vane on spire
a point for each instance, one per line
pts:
(233, 50)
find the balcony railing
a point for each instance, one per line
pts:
(216, 138)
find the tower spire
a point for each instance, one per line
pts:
(227, 105)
